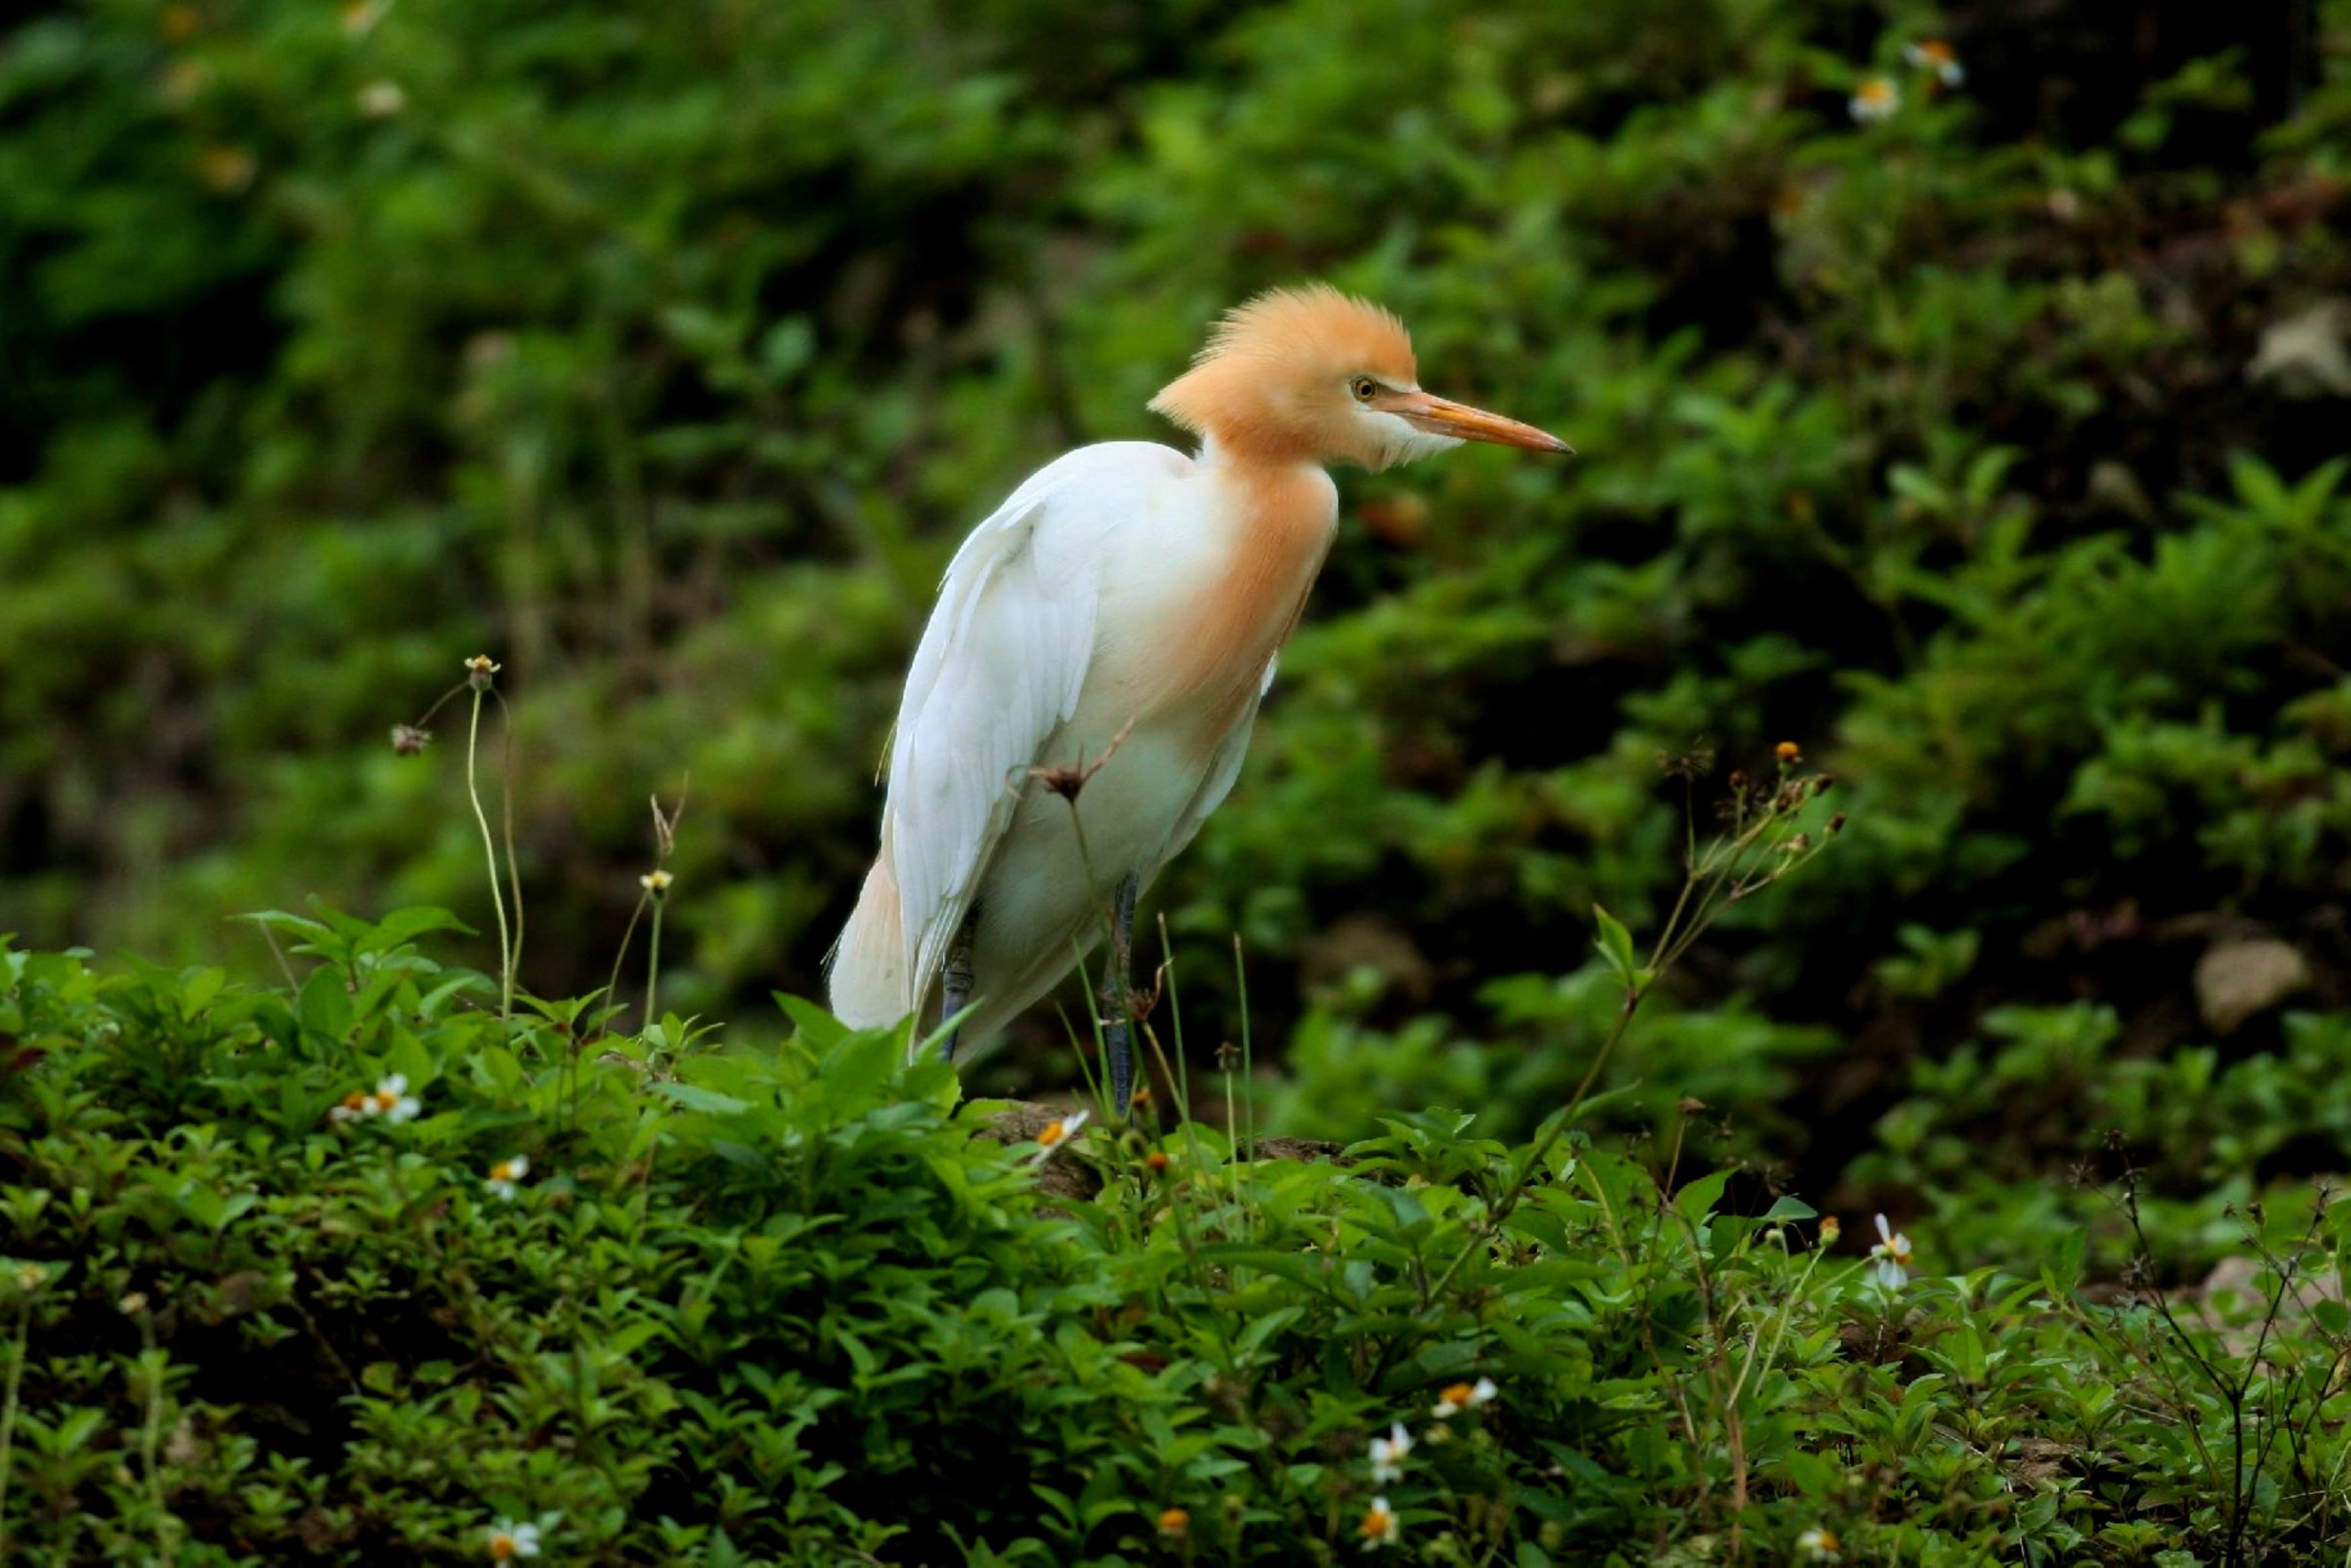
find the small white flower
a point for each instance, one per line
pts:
(500, 1182)
(1379, 1525)
(1935, 54)
(655, 881)
(1058, 1132)
(1892, 1268)
(1875, 100)
(509, 1541)
(1387, 1455)
(392, 1100)
(1464, 1397)
(1819, 1544)
(353, 1107)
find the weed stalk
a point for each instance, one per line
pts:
(17, 1351)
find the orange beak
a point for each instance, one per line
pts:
(1439, 416)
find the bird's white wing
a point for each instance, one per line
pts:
(999, 668)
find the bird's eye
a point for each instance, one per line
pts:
(1364, 387)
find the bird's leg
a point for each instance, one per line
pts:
(955, 985)
(1118, 1023)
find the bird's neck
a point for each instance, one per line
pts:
(1282, 510)
(1271, 524)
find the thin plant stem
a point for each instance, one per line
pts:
(17, 1353)
(490, 851)
(279, 954)
(1249, 1055)
(1183, 1071)
(1235, 1164)
(1560, 1122)
(506, 807)
(628, 934)
(150, 1434)
(1110, 924)
(652, 966)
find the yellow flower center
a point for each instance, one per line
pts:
(1459, 1394)
(1054, 1134)
(1174, 1521)
(1378, 1524)
(502, 1547)
(1936, 52)
(1877, 95)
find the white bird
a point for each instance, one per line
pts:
(1127, 600)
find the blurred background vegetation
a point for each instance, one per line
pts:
(1991, 448)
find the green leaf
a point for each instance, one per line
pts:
(1697, 1199)
(818, 1029)
(694, 1098)
(409, 1057)
(1616, 945)
(403, 924)
(2062, 1273)
(325, 1005)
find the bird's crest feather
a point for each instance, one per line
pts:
(1273, 362)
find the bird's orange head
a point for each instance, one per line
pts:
(1314, 375)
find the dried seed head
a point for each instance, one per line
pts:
(1139, 1003)
(407, 740)
(1067, 782)
(1063, 782)
(1836, 825)
(1228, 1056)
(1824, 782)
(1695, 762)
(665, 825)
(1156, 1161)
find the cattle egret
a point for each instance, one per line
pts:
(1126, 600)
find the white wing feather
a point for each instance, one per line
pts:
(999, 668)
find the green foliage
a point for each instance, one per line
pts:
(1992, 450)
(664, 354)
(779, 1301)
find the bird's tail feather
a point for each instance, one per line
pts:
(868, 967)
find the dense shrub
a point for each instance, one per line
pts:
(783, 1301)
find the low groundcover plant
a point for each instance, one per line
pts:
(786, 1299)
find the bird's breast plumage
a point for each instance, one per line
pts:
(1212, 597)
